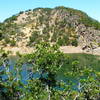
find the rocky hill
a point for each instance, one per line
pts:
(61, 25)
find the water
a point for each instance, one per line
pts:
(26, 74)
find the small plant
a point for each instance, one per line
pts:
(74, 43)
(21, 12)
(1, 36)
(34, 36)
(13, 18)
(7, 40)
(12, 42)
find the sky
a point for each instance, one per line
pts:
(11, 7)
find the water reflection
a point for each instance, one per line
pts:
(25, 73)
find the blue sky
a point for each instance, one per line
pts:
(11, 7)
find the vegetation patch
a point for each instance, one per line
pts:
(41, 81)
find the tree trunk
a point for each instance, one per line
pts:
(47, 88)
(62, 98)
(76, 96)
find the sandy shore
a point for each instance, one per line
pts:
(65, 49)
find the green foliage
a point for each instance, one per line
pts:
(34, 36)
(12, 42)
(48, 10)
(99, 44)
(60, 42)
(6, 30)
(80, 84)
(8, 41)
(3, 56)
(89, 22)
(74, 43)
(88, 60)
(13, 18)
(80, 72)
(37, 91)
(50, 58)
(75, 67)
(84, 18)
(21, 12)
(1, 36)
(63, 41)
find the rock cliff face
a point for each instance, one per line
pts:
(64, 26)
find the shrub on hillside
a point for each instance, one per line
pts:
(12, 42)
(74, 43)
(1, 36)
(34, 36)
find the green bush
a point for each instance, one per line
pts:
(99, 44)
(62, 41)
(21, 12)
(89, 22)
(13, 18)
(47, 61)
(12, 42)
(1, 36)
(34, 36)
(7, 40)
(74, 43)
